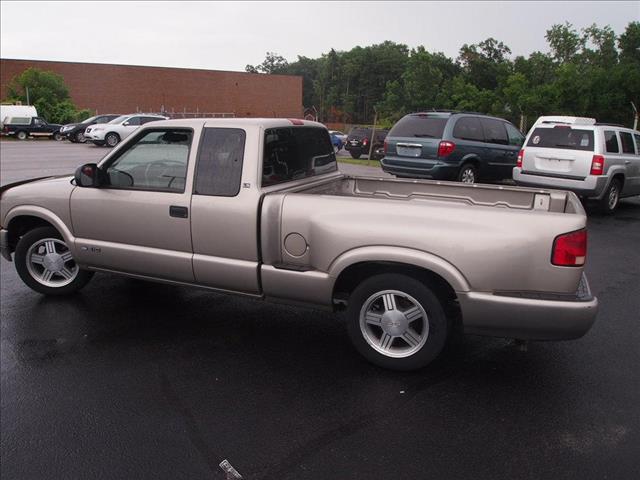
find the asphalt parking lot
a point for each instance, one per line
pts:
(130, 379)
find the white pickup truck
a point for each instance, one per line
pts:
(258, 207)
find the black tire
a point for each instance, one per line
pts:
(79, 137)
(611, 198)
(355, 154)
(25, 243)
(57, 136)
(363, 337)
(468, 173)
(22, 135)
(111, 139)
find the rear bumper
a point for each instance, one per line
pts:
(547, 317)
(4, 244)
(591, 186)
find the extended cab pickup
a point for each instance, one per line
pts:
(258, 207)
(25, 127)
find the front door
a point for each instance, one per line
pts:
(138, 220)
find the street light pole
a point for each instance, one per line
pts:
(373, 133)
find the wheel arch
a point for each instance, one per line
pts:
(24, 218)
(352, 267)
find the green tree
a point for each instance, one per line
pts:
(46, 91)
(565, 42)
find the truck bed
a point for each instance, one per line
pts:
(474, 195)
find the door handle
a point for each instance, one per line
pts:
(178, 212)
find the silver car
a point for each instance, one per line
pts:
(596, 161)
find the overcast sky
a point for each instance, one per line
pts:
(229, 35)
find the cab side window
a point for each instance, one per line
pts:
(515, 137)
(494, 131)
(611, 141)
(637, 137)
(156, 160)
(468, 128)
(133, 121)
(38, 122)
(219, 167)
(627, 142)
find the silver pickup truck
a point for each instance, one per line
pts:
(258, 207)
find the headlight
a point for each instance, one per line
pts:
(65, 128)
(97, 129)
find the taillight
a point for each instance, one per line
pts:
(365, 141)
(570, 249)
(597, 165)
(446, 148)
(384, 149)
(520, 158)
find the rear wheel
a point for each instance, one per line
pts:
(21, 135)
(468, 174)
(45, 263)
(355, 154)
(397, 322)
(611, 198)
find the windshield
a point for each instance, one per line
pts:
(562, 137)
(90, 119)
(120, 119)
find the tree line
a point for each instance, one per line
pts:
(589, 72)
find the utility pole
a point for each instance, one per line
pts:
(635, 116)
(373, 133)
(27, 90)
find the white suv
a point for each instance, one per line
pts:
(112, 133)
(596, 161)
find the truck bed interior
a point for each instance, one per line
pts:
(475, 194)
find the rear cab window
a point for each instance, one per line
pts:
(419, 126)
(294, 153)
(219, 165)
(611, 142)
(637, 137)
(562, 137)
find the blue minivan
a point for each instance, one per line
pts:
(467, 147)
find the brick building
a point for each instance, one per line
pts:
(125, 89)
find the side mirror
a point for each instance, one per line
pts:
(87, 175)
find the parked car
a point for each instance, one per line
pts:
(113, 132)
(24, 127)
(259, 208)
(16, 111)
(445, 145)
(596, 161)
(75, 131)
(359, 142)
(340, 135)
(336, 142)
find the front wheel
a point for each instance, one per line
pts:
(397, 322)
(45, 263)
(57, 136)
(112, 139)
(80, 138)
